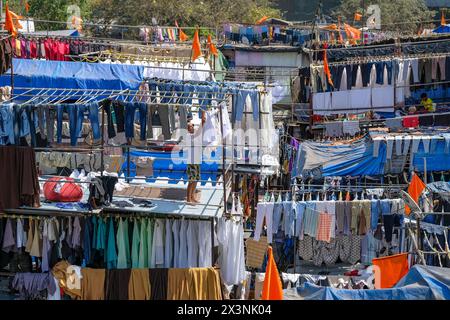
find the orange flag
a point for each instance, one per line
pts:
(27, 7)
(196, 48)
(358, 16)
(16, 19)
(415, 189)
(326, 68)
(443, 23)
(9, 23)
(390, 270)
(262, 20)
(351, 32)
(182, 36)
(272, 288)
(212, 47)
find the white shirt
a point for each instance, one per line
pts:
(168, 249)
(176, 242)
(192, 243)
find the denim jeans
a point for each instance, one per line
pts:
(380, 72)
(71, 110)
(239, 104)
(6, 124)
(92, 109)
(24, 123)
(130, 112)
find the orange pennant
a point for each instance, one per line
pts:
(358, 16)
(272, 288)
(326, 67)
(443, 23)
(196, 48)
(16, 19)
(415, 189)
(390, 270)
(182, 36)
(9, 23)
(212, 47)
(262, 20)
(27, 7)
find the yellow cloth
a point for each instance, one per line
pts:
(194, 284)
(427, 104)
(139, 285)
(93, 284)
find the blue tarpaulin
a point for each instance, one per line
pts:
(420, 283)
(442, 29)
(326, 159)
(73, 75)
(437, 159)
(173, 165)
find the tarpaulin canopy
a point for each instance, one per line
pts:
(437, 159)
(442, 29)
(173, 165)
(420, 283)
(326, 159)
(73, 75)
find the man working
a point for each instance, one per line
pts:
(193, 169)
(427, 103)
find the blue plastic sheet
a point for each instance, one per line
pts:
(421, 283)
(73, 75)
(173, 165)
(324, 159)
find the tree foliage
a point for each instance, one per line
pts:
(398, 15)
(209, 13)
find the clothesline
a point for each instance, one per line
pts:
(379, 45)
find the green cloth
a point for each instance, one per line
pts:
(221, 64)
(123, 259)
(135, 246)
(143, 251)
(150, 243)
(101, 234)
(111, 254)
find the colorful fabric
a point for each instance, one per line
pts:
(325, 225)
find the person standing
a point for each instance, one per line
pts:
(193, 169)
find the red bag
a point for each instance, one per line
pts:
(411, 122)
(69, 192)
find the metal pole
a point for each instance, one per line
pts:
(212, 241)
(103, 143)
(223, 162)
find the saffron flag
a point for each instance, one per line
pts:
(27, 7)
(352, 32)
(212, 47)
(443, 19)
(182, 36)
(9, 23)
(389, 270)
(358, 16)
(326, 68)
(272, 288)
(415, 189)
(16, 19)
(196, 48)
(262, 20)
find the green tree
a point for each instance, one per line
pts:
(52, 10)
(209, 13)
(398, 15)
